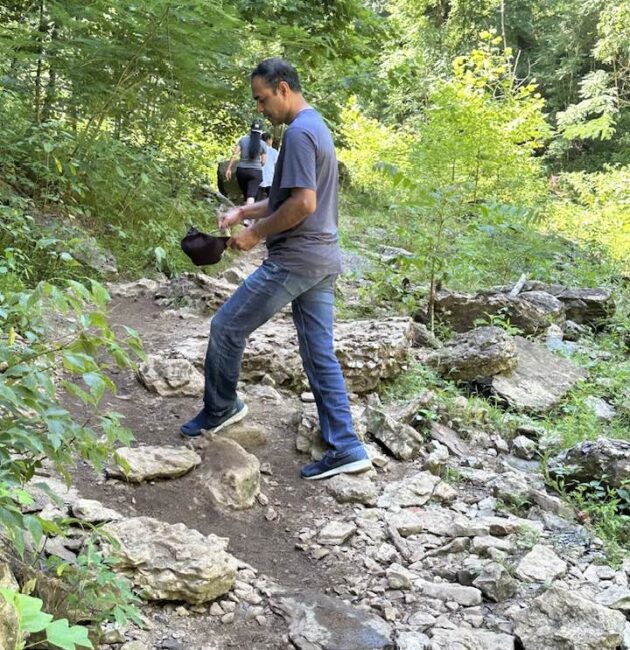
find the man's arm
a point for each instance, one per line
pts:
(257, 210)
(295, 209)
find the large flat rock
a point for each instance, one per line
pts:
(318, 622)
(368, 351)
(139, 464)
(540, 380)
(172, 562)
(561, 620)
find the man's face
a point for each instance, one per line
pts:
(274, 106)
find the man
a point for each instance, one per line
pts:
(299, 223)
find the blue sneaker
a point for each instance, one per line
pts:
(204, 422)
(350, 462)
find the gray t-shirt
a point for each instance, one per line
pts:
(307, 160)
(246, 162)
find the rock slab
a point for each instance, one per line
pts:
(172, 562)
(318, 622)
(540, 380)
(171, 377)
(139, 464)
(562, 620)
(482, 352)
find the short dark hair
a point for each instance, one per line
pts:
(275, 70)
(266, 136)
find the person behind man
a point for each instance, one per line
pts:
(269, 166)
(299, 223)
(252, 154)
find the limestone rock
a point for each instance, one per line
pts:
(541, 379)
(547, 302)
(136, 289)
(436, 521)
(602, 409)
(460, 311)
(172, 562)
(592, 460)
(196, 291)
(524, 447)
(346, 488)
(413, 491)
(412, 641)
(541, 564)
(560, 619)
(450, 439)
(465, 596)
(615, 597)
(398, 577)
(369, 351)
(170, 377)
(248, 436)
(402, 440)
(468, 639)
(138, 464)
(93, 512)
(318, 622)
(590, 306)
(335, 533)
(230, 474)
(495, 582)
(479, 353)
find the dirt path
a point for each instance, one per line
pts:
(268, 546)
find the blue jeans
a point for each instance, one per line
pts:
(261, 296)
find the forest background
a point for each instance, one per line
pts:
(489, 138)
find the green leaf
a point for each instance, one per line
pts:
(32, 619)
(60, 634)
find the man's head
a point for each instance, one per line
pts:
(276, 89)
(268, 138)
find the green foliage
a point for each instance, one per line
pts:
(31, 619)
(593, 210)
(94, 590)
(43, 360)
(594, 117)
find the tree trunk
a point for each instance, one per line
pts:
(40, 55)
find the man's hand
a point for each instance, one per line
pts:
(228, 174)
(230, 218)
(244, 240)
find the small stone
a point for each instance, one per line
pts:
(541, 564)
(523, 447)
(263, 499)
(271, 514)
(228, 618)
(336, 533)
(216, 610)
(261, 620)
(320, 553)
(182, 611)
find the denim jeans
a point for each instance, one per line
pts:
(262, 295)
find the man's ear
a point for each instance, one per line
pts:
(284, 88)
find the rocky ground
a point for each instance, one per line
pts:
(449, 543)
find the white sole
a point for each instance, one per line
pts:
(237, 417)
(351, 468)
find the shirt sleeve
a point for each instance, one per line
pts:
(299, 167)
